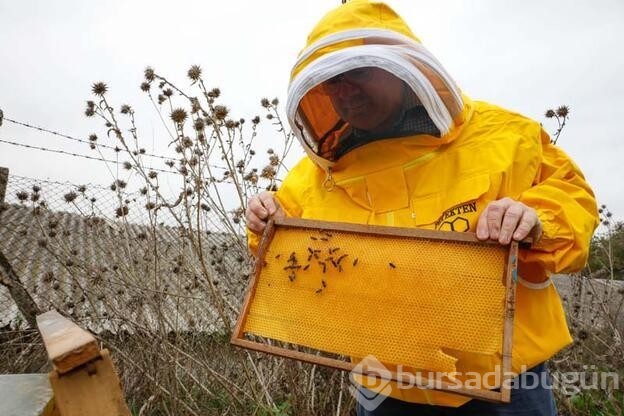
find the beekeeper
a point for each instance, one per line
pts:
(391, 140)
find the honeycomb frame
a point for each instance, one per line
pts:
(329, 260)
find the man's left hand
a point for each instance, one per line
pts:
(507, 219)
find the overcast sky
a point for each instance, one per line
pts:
(524, 55)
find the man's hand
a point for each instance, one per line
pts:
(507, 219)
(259, 209)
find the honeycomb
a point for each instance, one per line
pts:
(405, 300)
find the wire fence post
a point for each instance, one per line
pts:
(4, 180)
(10, 279)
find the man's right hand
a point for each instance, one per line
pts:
(259, 208)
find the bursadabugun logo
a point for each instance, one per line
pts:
(376, 376)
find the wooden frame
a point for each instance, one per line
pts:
(509, 281)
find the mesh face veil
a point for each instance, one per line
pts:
(357, 35)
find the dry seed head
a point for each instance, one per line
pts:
(149, 73)
(220, 112)
(145, 86)
(214, 93)
(121, 211)
(152, 175)
(199, 124)
(126, 109)
(268, 172)
(93, 137)
(22, 195)
(168, 92)
(194, 72)
(187, 142)
(563, 111)
(36, 188)
(275, 101)
(82, 189)
(150, 206)
(549, 113)
(255, 120)
(251, 177)
(127, 165)
(70, 196)
(265, 103)
(89, 112)
(48, 276)
(178, 115)
(230, 124)
(99, 89)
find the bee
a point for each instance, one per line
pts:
(333, 250)
(292, 267)
(306, 267)
(319, 290)
(392, 265)
(292, 277)
(324, 239)
(313, 238)
(278, 256)
(323, 265)
(341, 258)
(323, 283)
(355, 262)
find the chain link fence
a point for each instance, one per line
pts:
(74, 251)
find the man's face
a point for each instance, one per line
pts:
(367, 98)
